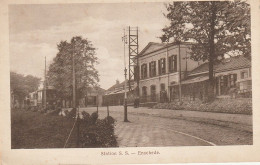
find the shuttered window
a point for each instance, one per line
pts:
(143, 71)
(152, 69)
(172, 63)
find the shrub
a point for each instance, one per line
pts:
(94, 117)
(71, 114)
(54, 112)
(66, 112)
(86, 119)
(101, 134)
(85, 115)
(110, 120)
(239, 106)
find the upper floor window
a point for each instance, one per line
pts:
(244, 74)
(152, 69)
(143, 71)
(173, 63)
(162, 66)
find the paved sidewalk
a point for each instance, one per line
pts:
(166, 113)
(160, 127)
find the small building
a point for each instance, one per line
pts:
(232, 79)
(93, 97)
(115, 94)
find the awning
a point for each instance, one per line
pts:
(193, 80)
(116, 92)
(246, 79)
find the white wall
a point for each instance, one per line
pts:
(237, 71)
(168, 77)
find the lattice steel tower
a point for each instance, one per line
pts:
(133, 57)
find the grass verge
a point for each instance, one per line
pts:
(40, 130)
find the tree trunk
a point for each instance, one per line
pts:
(211, 52)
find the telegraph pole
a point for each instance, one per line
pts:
(73, 81)
(124, 39)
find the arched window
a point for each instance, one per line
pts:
(153, 93)
(144, 91)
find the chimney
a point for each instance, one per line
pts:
(117, 82)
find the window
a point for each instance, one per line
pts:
(152, 69)
(144, 91)
(136, 73)
(232, 80)
(172, 63)
(244, 74)
(242, 86)
(143, 71)
(221, 81)
(161, 66)
(153, 93)
(162, 87)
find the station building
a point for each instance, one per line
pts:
(162, 66)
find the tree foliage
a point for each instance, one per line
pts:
(22, 85)
(226, 23)
(216, 28)
(60, 71)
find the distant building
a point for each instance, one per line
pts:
(93, 97)
(115, 94)
(36, 98)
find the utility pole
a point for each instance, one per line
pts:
(74, 104)
(124, 39)
(45, 87)
(73, 80)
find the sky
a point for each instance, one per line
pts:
(35, 31)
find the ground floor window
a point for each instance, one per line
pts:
(153, 93)
(163, 94)
(225, 83)
(144, 91)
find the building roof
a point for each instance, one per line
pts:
(153, 46)
(97, 90)
(231, 63)
(119, 85)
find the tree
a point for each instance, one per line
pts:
(22, 85)
(60, 71)
(217, 28)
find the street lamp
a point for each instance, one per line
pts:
(124, 39)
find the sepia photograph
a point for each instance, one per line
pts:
(141, 74)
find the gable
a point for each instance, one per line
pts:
(151, 46)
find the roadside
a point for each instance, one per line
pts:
(240, 122)
(228, 106)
